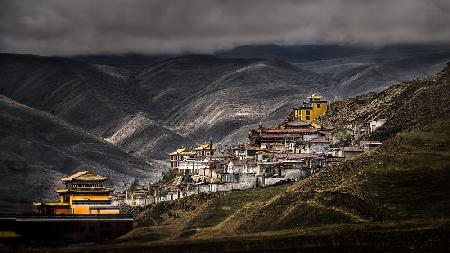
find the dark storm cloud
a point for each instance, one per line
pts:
(160, 26)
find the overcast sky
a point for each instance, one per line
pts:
(52, 27)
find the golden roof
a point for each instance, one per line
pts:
(84, 190)
(315, 96)
(84, 176)
(179, 151)
(205, 146)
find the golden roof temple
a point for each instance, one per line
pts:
(310, 110)
(85, 193)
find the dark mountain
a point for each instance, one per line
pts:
(80, 93)
(356, 69)
(204, 97)
(37, 149)
(315, 53)
(294, 53)
(195, 98)
(147, 107)
(122, 59)
(99, 98)
(186, 99)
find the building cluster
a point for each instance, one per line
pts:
(289, 151)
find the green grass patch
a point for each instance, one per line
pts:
(225, 205)
(414, 181)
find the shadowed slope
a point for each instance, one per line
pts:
(37, 149)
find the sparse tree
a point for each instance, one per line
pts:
(168, 176)
(134, 185)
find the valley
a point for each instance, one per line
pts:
(146, 107)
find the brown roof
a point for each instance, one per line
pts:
(290, 131)
(280, 136)
(238, 162)
(297, 123)
(303, 155)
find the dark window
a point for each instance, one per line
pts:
(104, 224)
(307, 117)
(318, 105)
(308, 112)
(91, 202)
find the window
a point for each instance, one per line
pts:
(307, 117)
(318, 105)
(308, 112)
(104, 224)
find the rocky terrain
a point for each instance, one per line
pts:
(146, 106)
(404, 106)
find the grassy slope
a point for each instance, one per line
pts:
(411, 176)
(402, 186)
(395, 195)
(192, 215)
(406, 179)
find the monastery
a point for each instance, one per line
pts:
(310, 110)
(84, 212)
(291, 150)
(84, 193)
(288, 151)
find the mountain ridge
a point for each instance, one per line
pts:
(37, 149)
(149, 110)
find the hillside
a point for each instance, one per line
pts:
(37, 149)
(207, 97)
(400, 189)
(405, 106)
(101, 99)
